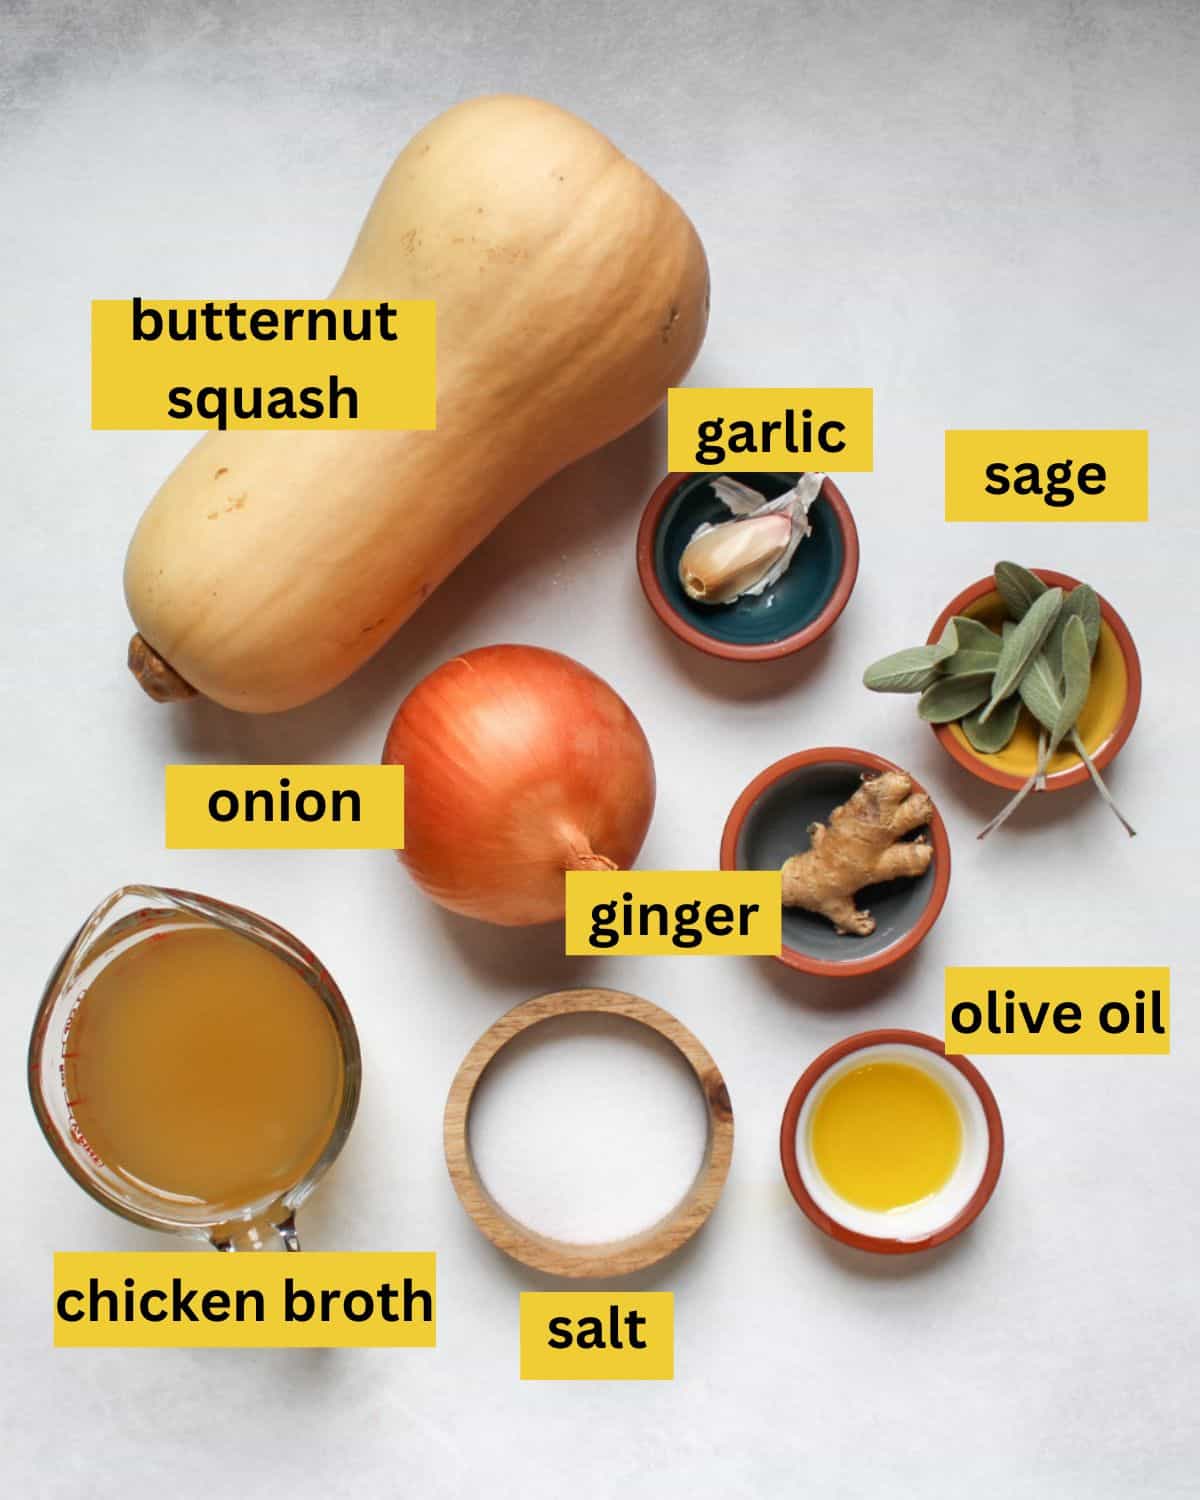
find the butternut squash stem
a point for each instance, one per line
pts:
(156, 677)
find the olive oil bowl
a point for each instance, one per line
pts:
(1108, 715)
(771, 821)
(889, 1145)
(795, 611)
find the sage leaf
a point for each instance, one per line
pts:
(1084, 603)
(1076, 680)
(1022, 646)
(912, 670)
(948, 643)
(980, 677)
(1055, 700)
(965, 663)
(1018, 587)
(1039, 691)
(990, 738)
(951, 698)
(908, 671)
(974, 635)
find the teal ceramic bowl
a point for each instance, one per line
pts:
(791, 615)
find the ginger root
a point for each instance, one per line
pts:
(862, 844)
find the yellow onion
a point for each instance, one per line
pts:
(520, 764)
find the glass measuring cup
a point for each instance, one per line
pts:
(130, 916)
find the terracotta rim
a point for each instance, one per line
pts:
(766, 650)
(1056, 781)
(880, 1244)
(904, 945)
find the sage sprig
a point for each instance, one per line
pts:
(1084, 603)
(1056, 687)
(1018, 587)
(971, 663)
(973, 635)
(1018, 652)
(912, 670)
(1076, 682)
(1040, 662)
(1041, 691)
(991, 738)
(1055, 701)
(952, 698)
(954, 676)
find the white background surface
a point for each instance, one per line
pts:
(988, 213)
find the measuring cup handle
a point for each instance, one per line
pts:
(258, 1236)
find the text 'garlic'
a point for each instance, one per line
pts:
(748, 554)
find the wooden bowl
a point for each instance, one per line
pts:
(614, 1257)
(769, 822)
(936, 1219)
(1107, 718)
(795, 612)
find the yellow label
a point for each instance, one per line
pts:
(1046, 475)
(173, 1299)
(759, 430)
(597, 1336)
(1087, 1011)
(674, 911)
(301, 365)
(285, 807)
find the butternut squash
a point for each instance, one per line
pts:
(571, 291)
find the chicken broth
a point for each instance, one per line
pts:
(204, 1068)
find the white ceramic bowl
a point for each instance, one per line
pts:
(933, 1220)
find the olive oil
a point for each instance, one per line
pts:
(886, 1135)
(204, 1068)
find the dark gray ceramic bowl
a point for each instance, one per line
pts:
(769, 823)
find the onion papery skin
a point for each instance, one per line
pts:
(520, 764)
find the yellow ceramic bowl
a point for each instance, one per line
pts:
(1107, 717)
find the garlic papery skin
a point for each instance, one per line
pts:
(721, 562)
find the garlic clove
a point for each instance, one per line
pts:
(721, 562)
